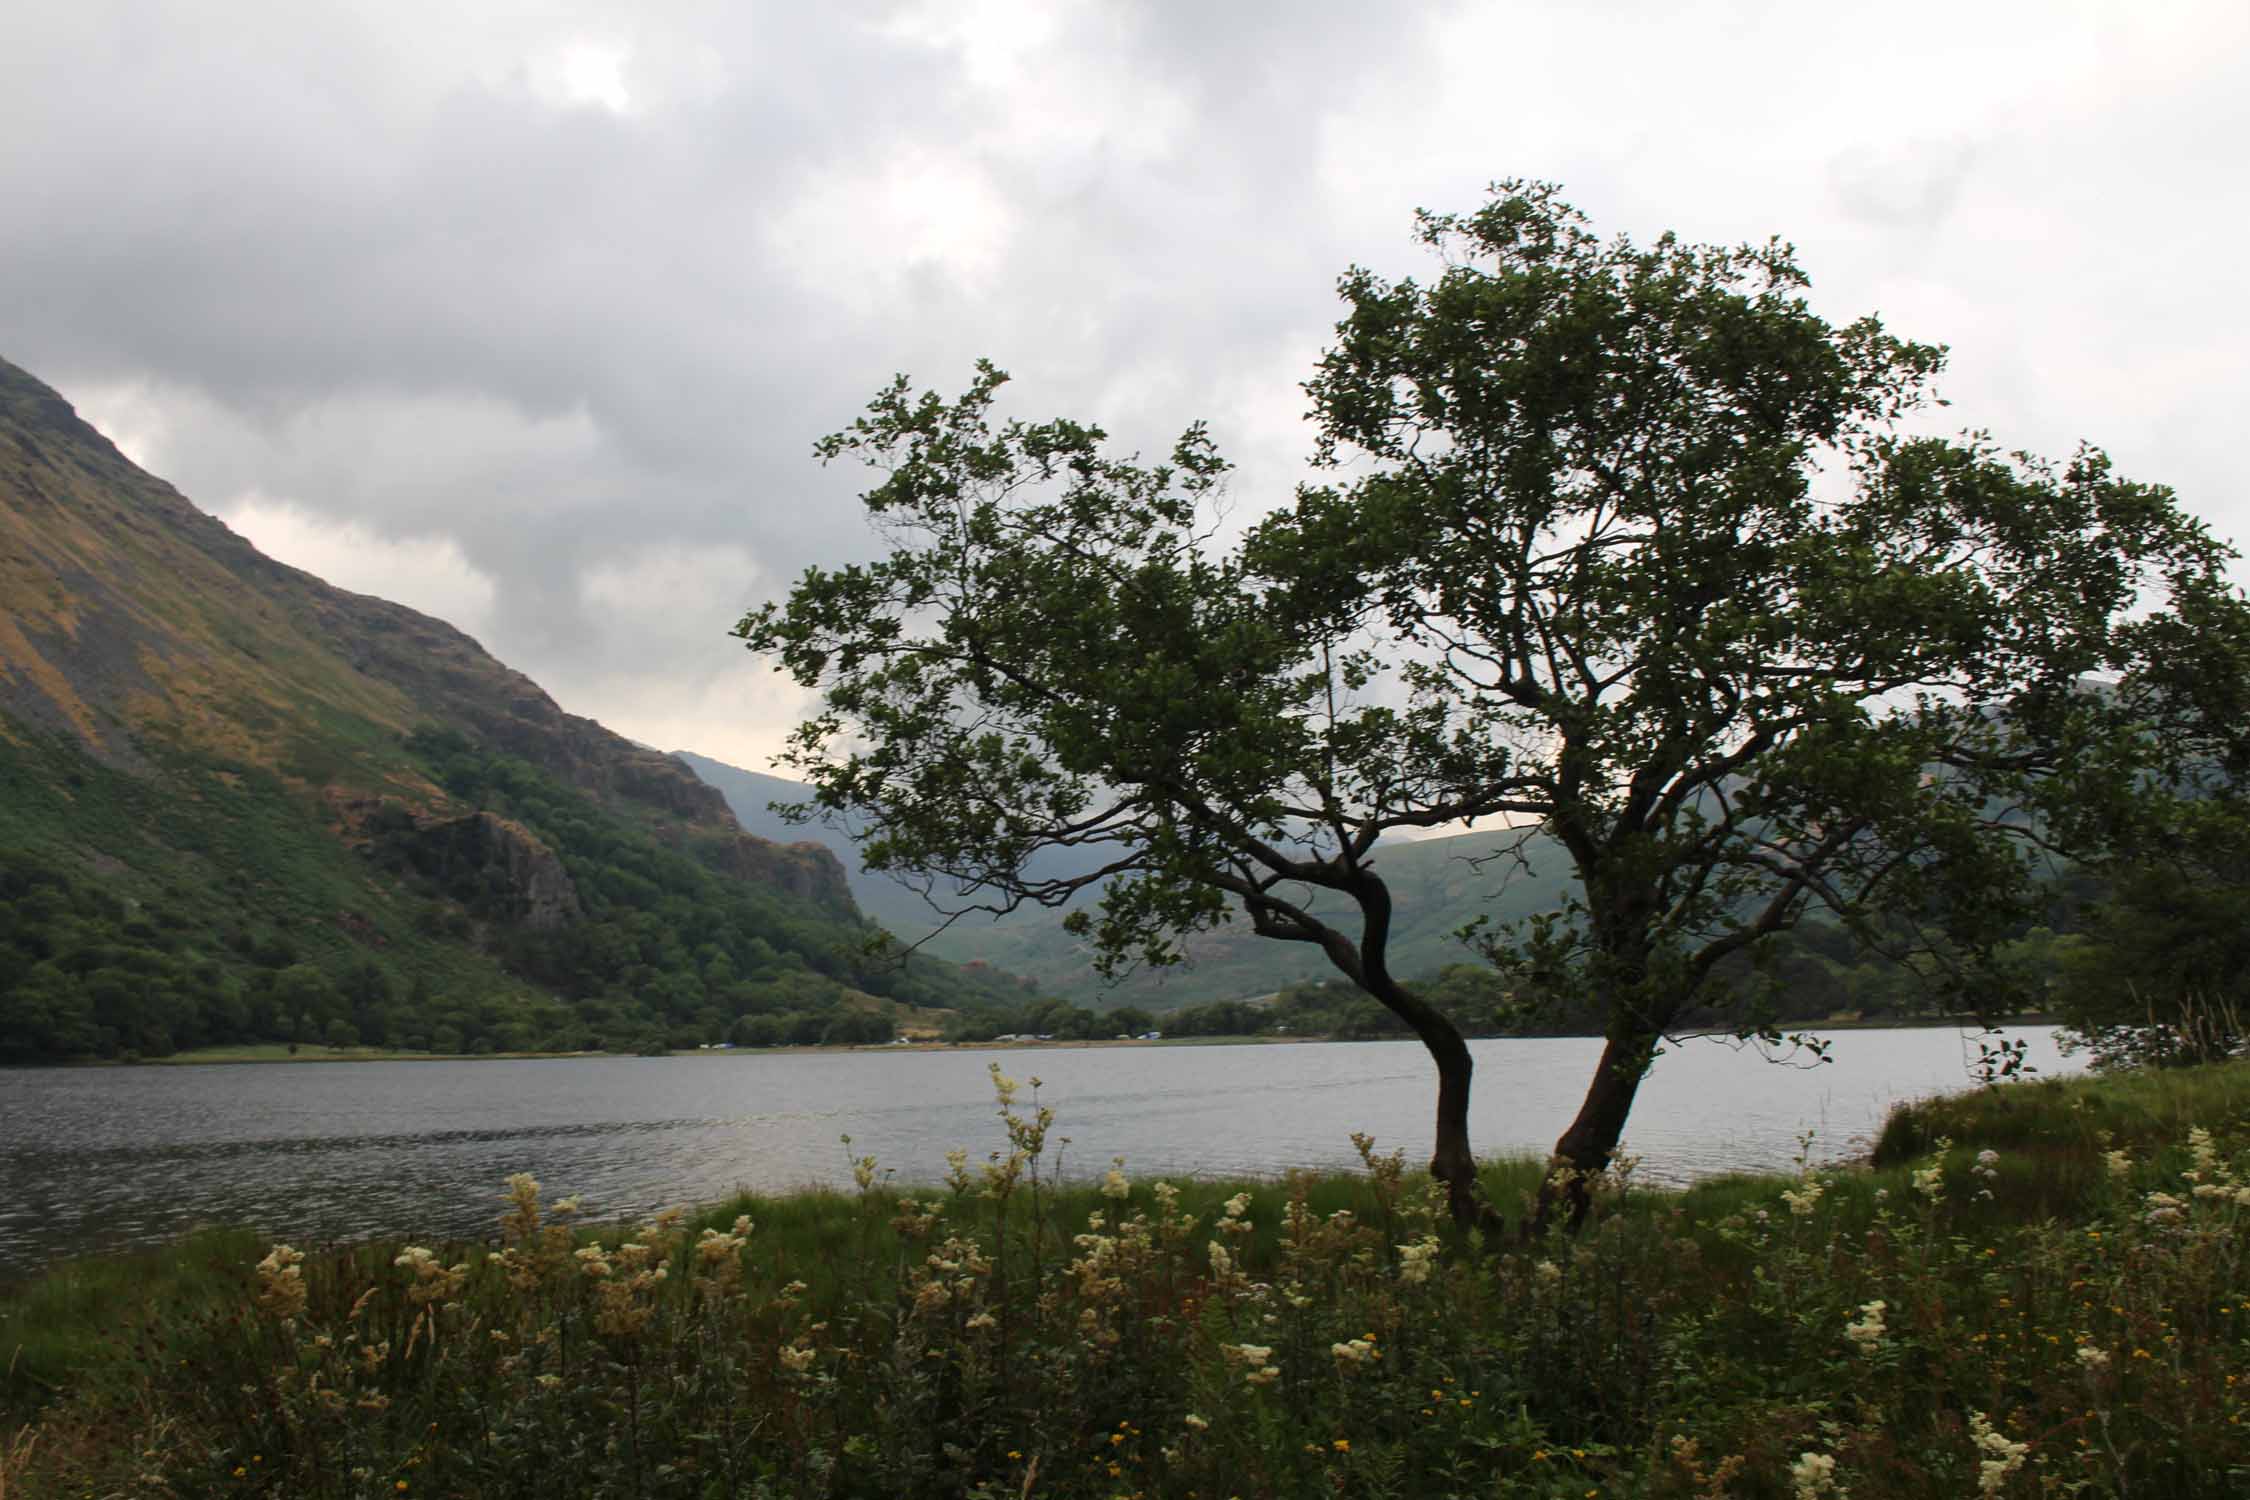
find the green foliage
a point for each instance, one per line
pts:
(2161, 972)
(1580, 578)
(666, 942)
(1590, 528)
(206, 903)
(209, 904)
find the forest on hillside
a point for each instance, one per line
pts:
(227, 917)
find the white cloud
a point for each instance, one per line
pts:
(583, 72)
(428, 573)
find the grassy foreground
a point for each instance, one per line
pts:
(2038, 1291)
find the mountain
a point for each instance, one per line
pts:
(1439, 885)
(242, 804)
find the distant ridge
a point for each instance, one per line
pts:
(1439, 884)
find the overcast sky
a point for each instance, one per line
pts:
(527, 314)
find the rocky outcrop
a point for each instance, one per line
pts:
(810, 872)
(496, 867)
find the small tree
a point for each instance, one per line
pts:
(2160, 975)
(1631, 553)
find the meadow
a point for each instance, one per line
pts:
(2035, 1289)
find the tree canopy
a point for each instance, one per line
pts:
(1625, 545)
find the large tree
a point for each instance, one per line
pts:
(1626, 547)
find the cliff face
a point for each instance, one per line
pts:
(132, 623)
(521, 873)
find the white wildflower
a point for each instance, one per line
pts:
(1814, 1475)
(1868, 1334)
(1355, 1352)
(2002, 1457)
(1805, 1198)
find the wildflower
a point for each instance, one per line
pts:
(863, 1167)
(550, 1382)
(2206, 1155)
(1547, 1272)
(2002, 1457)
(712, 1247)
(797, 1357)
(2119, 1164)
(1003, 1086)
(1868, 1334)
(1349, 1354)
(281, 1282)
(981, 1321)
(1195, 1423)
(1342, 1445)
(593, 1260)
(1805, 1199)
(2163, 1208)
(1814, 1475)
(2092, 1358)
(1414, 1260)
(1114, 1184)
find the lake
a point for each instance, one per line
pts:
(94, 1158)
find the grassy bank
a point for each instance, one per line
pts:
(2037, 1290)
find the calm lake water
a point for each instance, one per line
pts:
(92, 1158)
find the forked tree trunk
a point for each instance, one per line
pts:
(1452, 1162)
(1587, 1146)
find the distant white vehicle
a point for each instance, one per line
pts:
(1152, 1036)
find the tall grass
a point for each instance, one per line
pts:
(2009, 1311)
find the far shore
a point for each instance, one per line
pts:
(280, 1052)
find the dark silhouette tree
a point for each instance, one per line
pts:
(1627, 546)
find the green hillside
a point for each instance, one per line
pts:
(237, 804)
(1440, 885)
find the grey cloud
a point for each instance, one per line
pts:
(368, 264)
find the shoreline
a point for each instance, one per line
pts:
(273, 1053)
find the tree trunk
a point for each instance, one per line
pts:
(1586, 1147)
(1452, 1162)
